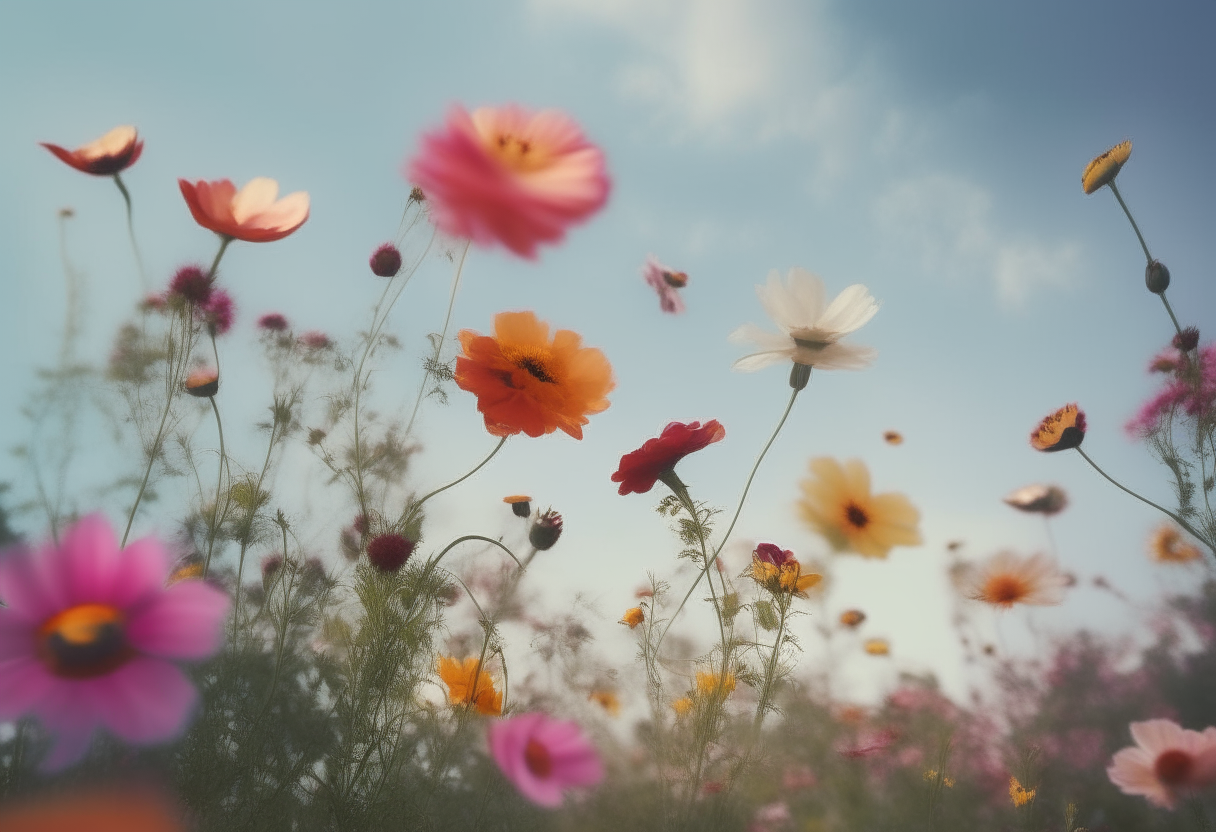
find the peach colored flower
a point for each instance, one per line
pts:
(1061, 431)
(1007, 579)
(509, 175)
(254, 214)
(1166, 761)
(114, 152)
(837, 503)
(1167, 545)
(633, 617)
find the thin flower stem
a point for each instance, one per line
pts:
(1115, 190)
(412, 512)
(139, 258)
(766, 689)
(1173, 317)
(1146, 501)
(219, 483)
(434, 562)
(447, 320)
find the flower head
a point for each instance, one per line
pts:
(469, 684)
(1060, 431)
(1190, 388)
(1006, 579)
(811, 327)
(508, 175)
(385, 261)
(273, 322)
(203, 382)
(633, 617)
(1186, 340)
(607, 700)
(254, 214)
(521, 504)
(218, 312)
(1038, 499)
(190, 284)
(877, 647)
(90, 636)
(527, 383)
(715, 684)
(836, 502)
(544, 757)
(640, 469)
(852, 619)
(893, 437)
(315, 340)
(389, 552)
(1167, 545)
(1104, 168)
(778, 570)
(1166, 762)
(545, 531)
(1018, 794)
(682, 706)
(667, 282)
(114, 152)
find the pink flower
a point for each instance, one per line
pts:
(89, 638)
(667, 282)
(1166, 761)
(1191, 387)
(543, 756)
(511, 176)
(218, 312)
(273, 322)
(253, 214)
(315, 340)
(112, 153)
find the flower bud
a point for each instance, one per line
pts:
(389, 552)
(521, 504)
(1187, 340)
(203, 383)
(545, 531)
(386, 261)
(1156, 277)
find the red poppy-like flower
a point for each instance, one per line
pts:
(508, 175)
(641, 468)
(115, 151)
(254, 214)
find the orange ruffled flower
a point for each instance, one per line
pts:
(112, 153)
(1061, 431)
(469, 685)
(1103, 169)
(526, 383)
(837, 503)
(254, 214)
(1167, 545)
(633, 617)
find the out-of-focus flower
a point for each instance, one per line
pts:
(190, 283)
(527, 383)
(385, 261)
(254, 214)
(218, 312)
(1006, 579)
(802, 777)
(543, 757)
(852, 619)
(667, 282)
(1167, 762)
(153, 303)
(1167, 545)
(812, 328)
(1192, 389)
(507, 175)
(682, 706)
(315, 340)
(931, 775)
(770, 814)
(836, 502)
(1019, 795)
(90, 635)
(521, 504)
(607, 700)
(1104, 168)
(779, 571)
(389, 552)
(715, 684)
(545, 531)
(893, 437)
(203, 382)
(867, 742)
(657, 457)
(112, 153)
(1186, 340)
(188, 571)
(273, 322)
(633, 617)
(470, 684)
(1060, 431)
(271, 564)
(1038, 499)
(877, 647)
(111, 810)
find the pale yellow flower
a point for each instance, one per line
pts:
(837, 503)
(1103, 169)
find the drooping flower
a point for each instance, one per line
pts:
(112, 153)
(521, 504)
(667, 282)
(1007, 579)
(811, 327)
(633, 617)
(545, 531)
(1060, 431)
(1167, 545)
(527, 383)
(779, 571)
(90, 637)
(389, 552)
(469, 684)
(385, 261)
(507, 175)
(877, 647)
(607, 700)
(203, 383)
(836, 502)
(1104, 168)
(1018, 794)
(543, 757)
(254, 214)
(1167, 762)
(657, 457)
(1038, 499)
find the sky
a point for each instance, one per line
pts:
(931, 152)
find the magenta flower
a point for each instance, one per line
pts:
(1191, 387)
(667, 282)
(218, 312)
(89, 636)
(273, 322)
(543, 756)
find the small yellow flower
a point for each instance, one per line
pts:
(715, 684)
(931, 775)
(633, 617)
(682, 705)
(469, 684)
(1168, 546)
(1103, 170)
(837, 503)
(1019, 795)
(877, 647)
(187, 572)
(1060, 431)
(852, 618)
(792, 579)
(607, 700)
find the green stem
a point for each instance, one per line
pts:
(219, 483)
(447, 320)
(139, 259)
(1115, 190)
(766, 693)
(1173, 317)
(412, 511)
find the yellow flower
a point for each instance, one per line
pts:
(852, 618)
(1103, 170)
(1019, 795)
(633, 617)
(715, 684)
(682, 705)
(607, 700)
(469, 684)
(186, 572)
(792, 579)
(877, 647)
(1168, 546)
(836, 502)
(931, 775)
(1060, 431)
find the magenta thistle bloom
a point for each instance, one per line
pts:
(667, 282)
(1191, 387)
(218, 312)
(385, 261)
(90, 636)
(190, 283)
(543, 756)
(272, 322)
(315, 340)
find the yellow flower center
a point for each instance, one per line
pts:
(535, 360)
(538, 759)
(517, 152)
(856, 516)
(84, 641)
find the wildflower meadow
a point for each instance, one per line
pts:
(689, 415)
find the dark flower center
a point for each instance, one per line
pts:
(1173, 767)
(537, 370)
(677, 280)
(857, 516)
(84, 641)
(538, 759)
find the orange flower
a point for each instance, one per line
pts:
(526, 383)
(682, 705)
(114, 152)
(1103, 169)
(893, 437)
(852, 618)
(607, 700)
(633, 617)
(1018, 794)
(877, 647)
(253, 214)
(837, 503)
(1060, 431)
(1168, 546)
(469, 684)
(1007, 579)
(715, 684)
(521, 504)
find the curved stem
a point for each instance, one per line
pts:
(1115, 190)
(219, 483)
(1170, 309)
(447, 320)
(412, 512)
(139, 259)
(434, 562)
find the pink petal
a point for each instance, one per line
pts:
(184, 621)
(145, 701)
(24, 682)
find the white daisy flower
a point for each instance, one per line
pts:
(812, 327)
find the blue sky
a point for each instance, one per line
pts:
(931, 152)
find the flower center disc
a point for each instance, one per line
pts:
(1173, 767)
(84, 641)
(1005, 589)
(538, 759)
(856, 515)
(533, 361)
(516, 152)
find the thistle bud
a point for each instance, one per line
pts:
(545, 531)
(1187, 340)
(1156, 277)
(386, 261)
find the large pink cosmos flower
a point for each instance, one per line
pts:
(1166, 761)
(112, 153)
(254, 214)
(511, 176)
(89, 636)
(543, 756)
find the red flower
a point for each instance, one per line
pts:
(639, 469)
(253, 214)
(115, 151)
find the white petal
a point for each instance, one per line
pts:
(779, 303)
(809, 295)
(752, 334)
(851, 309)
(760, 360)
(837, 357)
(257, 195)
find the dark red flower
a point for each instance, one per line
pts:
(386, 261)
(272, 322)
(641, 468)
(389, 552)
(774, 554)
(190, 283)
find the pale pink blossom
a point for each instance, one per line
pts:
(667, 282)
(254, 214)
(1166, 762)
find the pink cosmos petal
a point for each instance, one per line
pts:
(23, 683)
(67, 749)
(574, 761)
(184, 622)
(24, 587)
(145, 701)
(257, 195)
